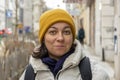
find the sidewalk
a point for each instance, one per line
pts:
(108, 66)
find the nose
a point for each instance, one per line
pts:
(60, 37)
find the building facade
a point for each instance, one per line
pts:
(2, 19)
(2, 14)
(39, 7)
(117, 25)
(100, 17)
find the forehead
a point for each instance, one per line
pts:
(60, 24)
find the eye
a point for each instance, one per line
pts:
(52, 32)
(67, 32)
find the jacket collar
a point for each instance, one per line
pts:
(75, 58)
(72, 60)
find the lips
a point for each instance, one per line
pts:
(59, 46)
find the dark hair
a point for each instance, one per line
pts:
(41, 51)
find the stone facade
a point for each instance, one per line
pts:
(2, 19)
(38, 8)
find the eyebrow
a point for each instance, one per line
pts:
(64, 27)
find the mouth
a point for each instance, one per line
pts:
(60, 46)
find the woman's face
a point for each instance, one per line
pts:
(58, 39)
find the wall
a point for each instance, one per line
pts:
(38, 8)
(27, 13)
(2, 15)
(107, 24)
(117, 25)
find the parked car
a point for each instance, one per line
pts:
(5, 32)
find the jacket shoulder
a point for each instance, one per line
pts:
(98, 71)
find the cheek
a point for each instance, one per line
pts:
(69, 41)
(48, 39)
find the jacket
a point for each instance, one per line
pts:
(81, 34)
(70, 69)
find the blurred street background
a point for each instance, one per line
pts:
(19, 25)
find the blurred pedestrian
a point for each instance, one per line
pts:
(81, 35)
(115, 40)
(59, 54)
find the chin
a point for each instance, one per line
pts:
(60, 53)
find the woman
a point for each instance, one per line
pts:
(59, 53)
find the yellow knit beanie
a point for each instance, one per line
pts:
(52, 16)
